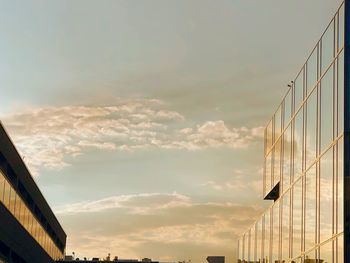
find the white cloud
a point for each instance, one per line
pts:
(158, 224)
(134, 203)
(48, 136)
(240, 181)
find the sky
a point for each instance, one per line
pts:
(142, 121)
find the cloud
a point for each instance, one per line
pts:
(48, 136)
(240, 181)
(136, 203)
(165, 226)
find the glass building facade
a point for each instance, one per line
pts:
(304, 163)
(19, 209)
(29, 230)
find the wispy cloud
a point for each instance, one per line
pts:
(241, 180)
(135, 203)
(46, 136)
(148, 222)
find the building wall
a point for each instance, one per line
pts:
(304, 154)
(29, 231)
(20, 212)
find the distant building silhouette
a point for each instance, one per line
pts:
(71, 259)
(216, 259)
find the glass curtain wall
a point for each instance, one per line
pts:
(304, 153)
(14, 203)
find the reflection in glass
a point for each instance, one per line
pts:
(269, 137)
(287, 151)
(298, 144)
(310, 208)
(341, 27)
(268, 171)
(14, 203)
(340, 188)
(326, 195)
(252, 245)
(275, 234)
(277, 162)
(7, 194)
(278, 123)
(311, 72)
(285, 226)
(327, 110)
(298, 90)
(288, 107)
(297, 213)
(340, 93)
(258, 240)
(327, 47)
(12, 200)
(340, 249)
(311, 128)
(246, 246)
(267, 236)
(18, 206)
(2, 179)
(240, 246)
(326, 252)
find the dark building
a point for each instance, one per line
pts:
(216, 259)
(29, 231)
(70, 259)
(307, 161)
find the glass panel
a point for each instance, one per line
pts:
(7, 194)
(299, 91)
(240, 249)
(326, 110)
(340, 189)
(25, 217)
(252, 244)
(30, 222)
(297, 215)
(268, 172)
(278, 123)
(326, 195)
(340, 249)
(341, 93)
(277, 162)
(285, 227)
(298, 144)
(267, 236)
(275, 234)
(310, 208)
(2, 179)
(18, 207)
(12, 201)
(258, 240)
(311, 128)
(245, 247)
(327, 47)
(287, 150)
(312, 72)
(326, 253)
(288, 107)
(269, 136)
(341, 27)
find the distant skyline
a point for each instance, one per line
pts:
(142, 121)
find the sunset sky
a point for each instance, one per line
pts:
(142, 121)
